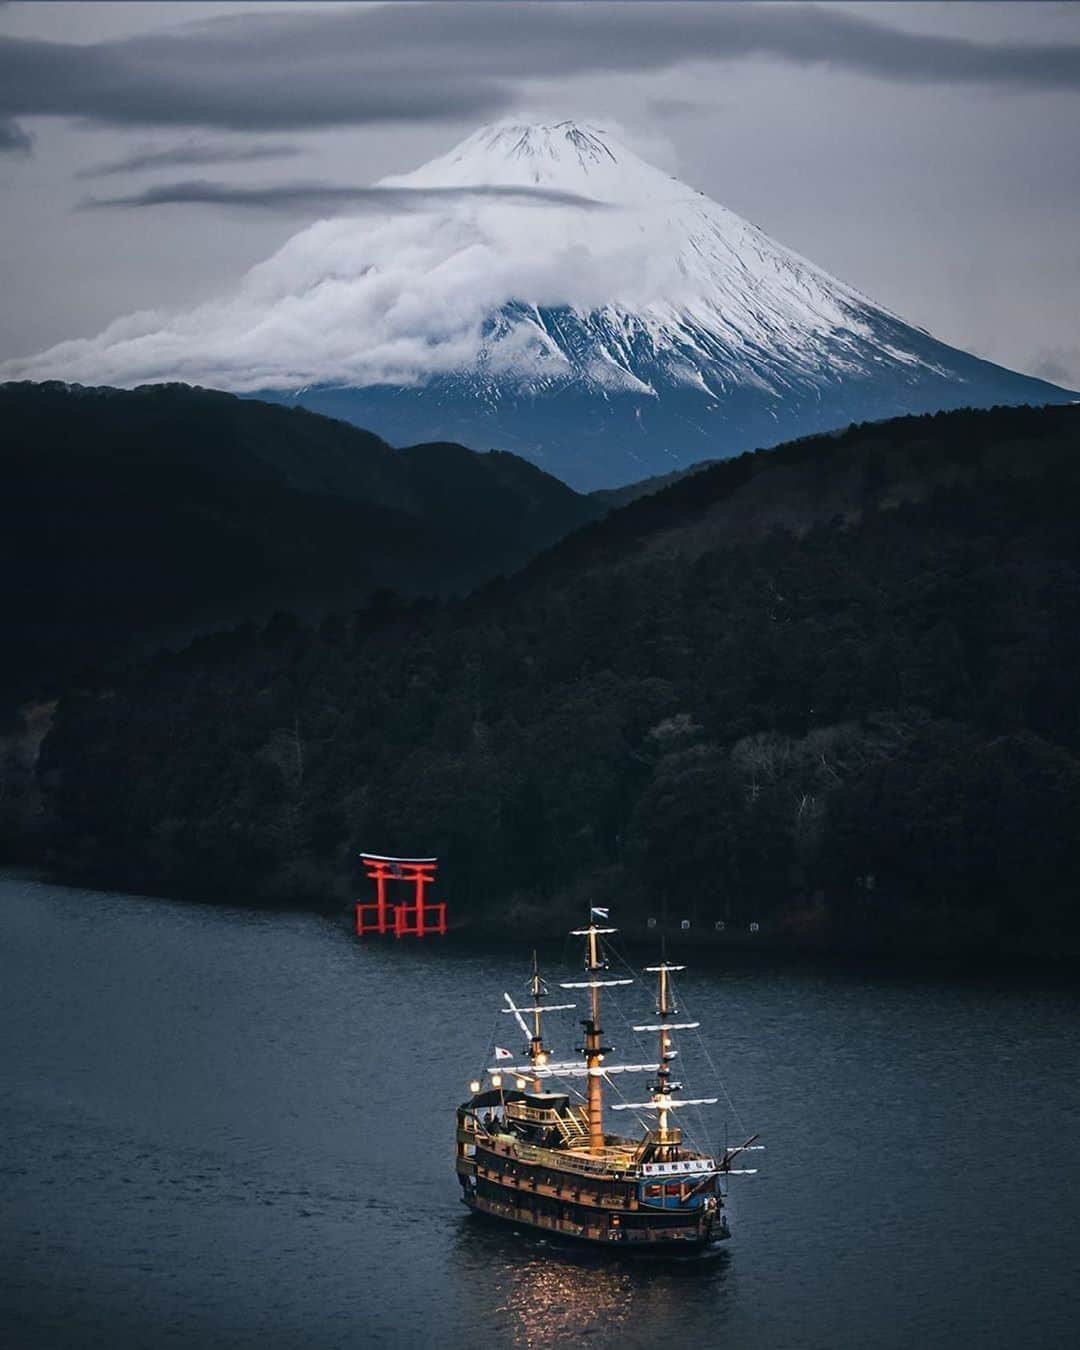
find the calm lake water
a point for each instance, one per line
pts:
(229, 1128)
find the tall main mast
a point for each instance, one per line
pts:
(594, 1048)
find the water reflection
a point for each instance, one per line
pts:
(541, 1293)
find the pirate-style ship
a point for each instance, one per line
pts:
(532, 1155)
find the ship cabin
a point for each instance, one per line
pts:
(525, 1155)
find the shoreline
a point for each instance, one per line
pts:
(498, 928)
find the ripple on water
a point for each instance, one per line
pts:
(232, 1128)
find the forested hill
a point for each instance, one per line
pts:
(829, 689)
(128, 516)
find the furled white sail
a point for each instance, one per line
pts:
(593, 984)
(550, 1007)
(573, 1069)
(667, 1026)
(665, 1106)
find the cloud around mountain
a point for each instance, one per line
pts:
(193, 154)
(331, 197)
(406, 289)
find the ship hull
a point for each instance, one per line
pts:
(674, 1246)
(602, 1223)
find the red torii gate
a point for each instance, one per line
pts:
(408, 919)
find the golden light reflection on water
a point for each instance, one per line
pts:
(543, 1294)
(548, 1302)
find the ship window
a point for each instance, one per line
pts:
(653, 1192)
(673, 1188)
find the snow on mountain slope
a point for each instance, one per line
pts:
(665, 263)
(543, 289)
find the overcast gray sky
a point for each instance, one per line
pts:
(927, 154)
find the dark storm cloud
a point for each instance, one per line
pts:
(417, 63)
(183, 80)
(328, 196)
(13, 139)
(180, 155)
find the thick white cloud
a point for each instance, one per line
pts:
(358, 301)
(404, 294)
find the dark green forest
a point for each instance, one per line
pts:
(830, 689)
(133, 518)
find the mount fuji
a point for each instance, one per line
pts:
(542, 289)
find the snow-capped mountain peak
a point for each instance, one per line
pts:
(542, 288)
(570, 157)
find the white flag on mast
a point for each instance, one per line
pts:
(597, 913)
(500, 1053)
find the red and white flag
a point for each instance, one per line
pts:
(500, 1053)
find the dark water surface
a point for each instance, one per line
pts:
(227, 1128)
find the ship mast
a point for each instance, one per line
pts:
(662, 1088)
(536, 1050)
(594, 1048)
(538, 1055)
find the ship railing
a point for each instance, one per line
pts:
(534, 1115)
(597, 1165)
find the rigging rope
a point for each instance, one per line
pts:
(490, 1050)
(622, 1097)
(644, 1050)
(567, 1086)
(681, 1002)
(716, 1073)
(612, 1002)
